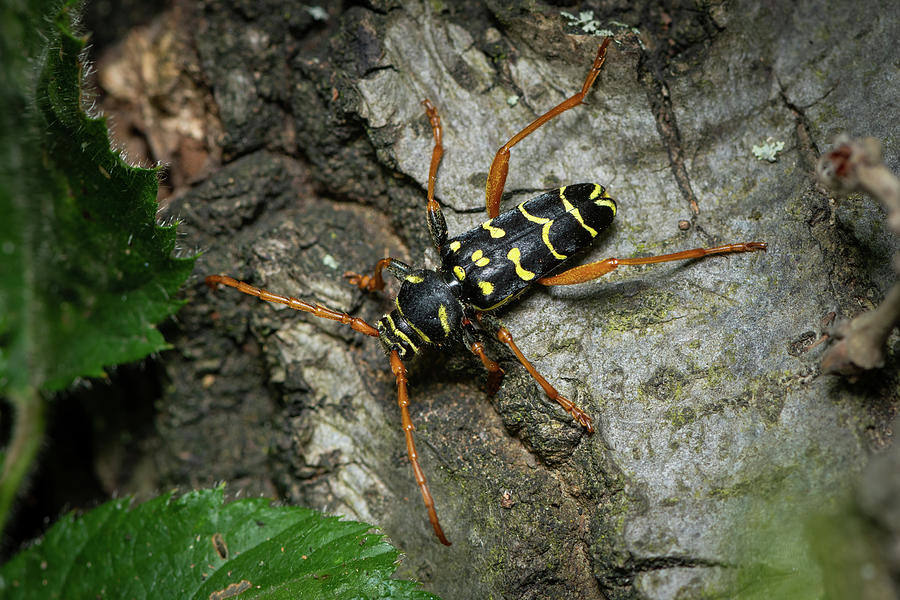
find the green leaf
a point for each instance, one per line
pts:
(194, 547)
(87, 271)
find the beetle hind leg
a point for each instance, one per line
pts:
(580, 416)
(584, 273)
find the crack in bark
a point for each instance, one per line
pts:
(809, 152)
(656, 563)
(625, 574)
(664, 114)
(836, 243)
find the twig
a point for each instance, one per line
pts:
(856, 165)
(860, 341)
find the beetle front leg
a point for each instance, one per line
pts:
(316, 309)
(399, 371)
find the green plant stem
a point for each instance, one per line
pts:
(27, 435)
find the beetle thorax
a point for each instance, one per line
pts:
(428, 312)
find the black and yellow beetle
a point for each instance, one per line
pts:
(485, 268)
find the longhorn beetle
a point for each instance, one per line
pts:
(483, 269)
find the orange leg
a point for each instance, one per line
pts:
(495, 371)
(403, 400)
(500, 167)
(318, 310)
(438, 150)
(579, 415)
(436, 224)
(375, 282)
(583, 273)
(369, 283)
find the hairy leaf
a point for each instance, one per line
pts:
(196, 547)
(87, 270)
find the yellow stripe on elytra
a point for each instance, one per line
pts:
(480, 259)
(601, 198)
(574, 212)
(459, 272)
(545, 235)
(442, 315)
(608, 203)
(487, 288)
(455, 245)
(400, 334)
(545, 231)
(495, 232)
(497, 304)
(515, 256)
(531, 217)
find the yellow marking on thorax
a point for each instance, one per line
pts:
(495, 232)
(455, 245)
(480, 259)
(574, 212)
(459, 272)
(545, 230)
(442, 315)
(515, 256)
(414, 278)
(421, 333)
(487, 288)
(400, 334)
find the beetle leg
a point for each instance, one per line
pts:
(476, 346)
(375, 282)
(436, 224)
(399, 371)
(318, 310)
(570, 407)
(583, 273)
(495, 371)
(500, 166)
